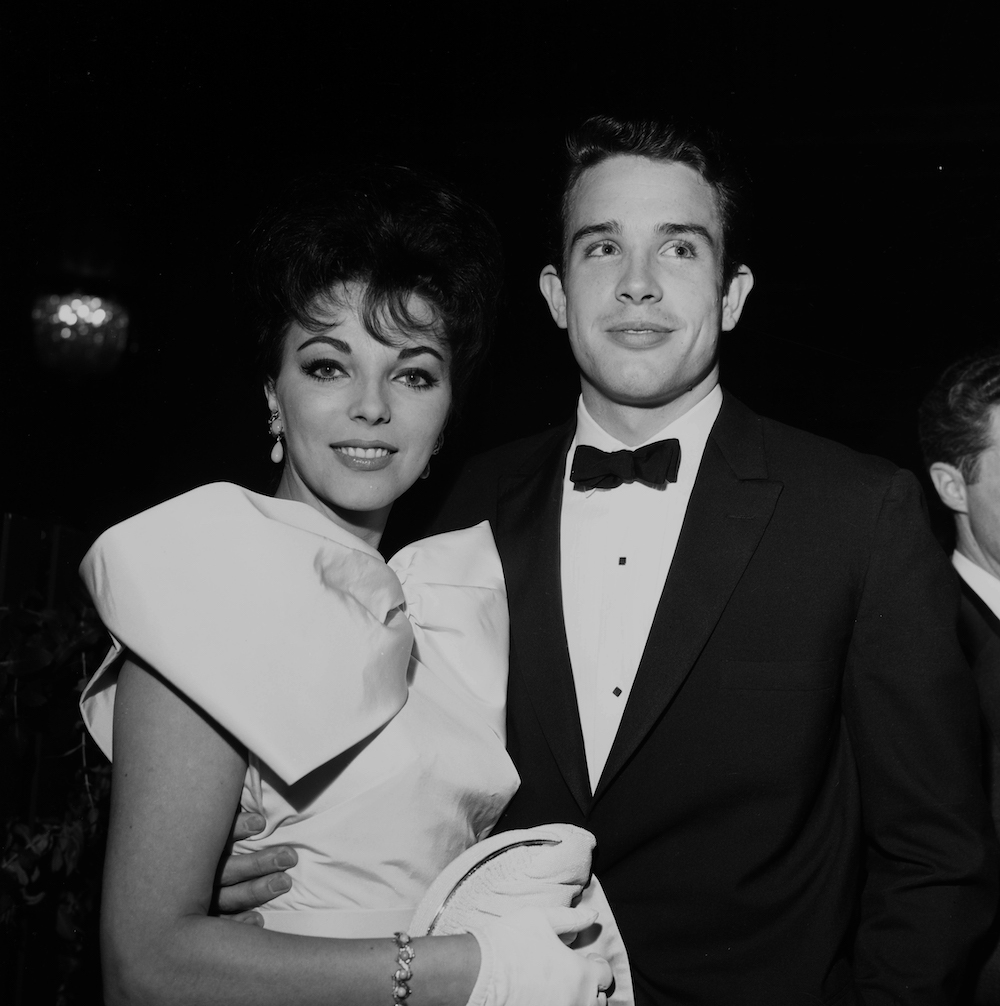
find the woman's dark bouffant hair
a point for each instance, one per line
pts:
(393, 232)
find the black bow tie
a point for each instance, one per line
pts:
(655, 464)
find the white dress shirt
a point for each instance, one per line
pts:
(985, 584)
(616, 546)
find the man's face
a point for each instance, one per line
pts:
(642, 297)
(983, 501)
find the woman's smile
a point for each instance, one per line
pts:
(365, 458)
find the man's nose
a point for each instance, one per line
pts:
(638, 282)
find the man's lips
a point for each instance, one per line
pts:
(640, 328)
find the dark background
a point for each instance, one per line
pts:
(139, 145)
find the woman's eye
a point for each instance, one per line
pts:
(324, 370)
(417, 379)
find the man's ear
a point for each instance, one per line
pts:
(735, 297)
(552, 290)
(950, 485)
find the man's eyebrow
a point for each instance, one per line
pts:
(665, 230)
(674, 230)
(337, 344)
(607, 227)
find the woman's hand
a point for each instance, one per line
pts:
(525, 963)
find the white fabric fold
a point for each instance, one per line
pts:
(456, 603)
(284, 628)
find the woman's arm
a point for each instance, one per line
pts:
(176, 786)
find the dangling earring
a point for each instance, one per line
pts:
(275, 429)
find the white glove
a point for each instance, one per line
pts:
(543, 867)
(525, 963)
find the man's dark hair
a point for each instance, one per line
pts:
(603, 136)
(394, 233)
(954, 418)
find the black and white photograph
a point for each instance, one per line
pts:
(500, 505)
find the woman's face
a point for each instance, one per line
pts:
(360, 418)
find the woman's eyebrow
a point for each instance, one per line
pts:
(411, 351)
(337, 344)
(404, 354)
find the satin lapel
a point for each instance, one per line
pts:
(730, 506)
(528, 519)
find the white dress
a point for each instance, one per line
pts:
(370, 696)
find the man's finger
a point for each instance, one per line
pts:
(251, 894)
(246, 826)
(256, 865)
(247, 918)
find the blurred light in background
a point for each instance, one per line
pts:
(79, 333)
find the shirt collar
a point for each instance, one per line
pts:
(985, 584)
(691, 429)
(697, 423)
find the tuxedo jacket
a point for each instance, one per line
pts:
(791, 811)
(979, 634)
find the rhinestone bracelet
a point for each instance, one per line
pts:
(403, 973)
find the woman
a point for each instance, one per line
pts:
(265, 656)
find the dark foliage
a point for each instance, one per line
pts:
(55, 797)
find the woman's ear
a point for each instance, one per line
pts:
(271, 396)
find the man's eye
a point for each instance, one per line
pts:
(602, 249)
(681, 249)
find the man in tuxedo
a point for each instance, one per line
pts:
(960, 438)
(733, 654)
(737, 667)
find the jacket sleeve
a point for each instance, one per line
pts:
(911, 711)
